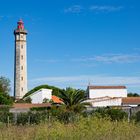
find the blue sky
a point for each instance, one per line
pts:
(74, 42)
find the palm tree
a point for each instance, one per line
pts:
(73, 100)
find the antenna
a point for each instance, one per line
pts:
(89, 82)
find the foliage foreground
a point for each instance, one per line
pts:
(91, 128)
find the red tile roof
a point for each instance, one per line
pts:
(131, 100)
(107, 87)
(56, 99)
(27, 105)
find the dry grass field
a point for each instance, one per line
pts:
(85, 129)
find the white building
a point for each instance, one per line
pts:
(105, 101)
(103, 96)
(38, 96)
(106, 91)
(131, 101)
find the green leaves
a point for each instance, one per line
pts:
(5, 99)
(4, 85)
(113, 114)
(73, 99)
(56, 91)
(133, 95)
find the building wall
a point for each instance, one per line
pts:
(97, 93)
(110, 102)
(39, 96)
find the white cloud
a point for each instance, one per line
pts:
(106, 8)
(6, 17)
(74, 9)
(93, 61)
(82, 81)
(94, 8)
(111, 58)
(136, 49)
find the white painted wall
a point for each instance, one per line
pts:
(40, 95)
(110, 102)
(105, 102)
(97, 93)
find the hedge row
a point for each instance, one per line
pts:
(37, 116)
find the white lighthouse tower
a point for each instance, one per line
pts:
(20, 72)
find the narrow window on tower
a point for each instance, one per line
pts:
(17, 37)
(21, 67)
(21, 36)
(24, 37)
(21, 46)
(22, 78)
(22, 89)
(22, 57)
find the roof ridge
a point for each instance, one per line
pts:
(106, 87)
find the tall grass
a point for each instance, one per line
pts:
(90, 128)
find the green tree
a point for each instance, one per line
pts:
(4, 85)
(133, 95)
(45, 100)
(113, 114)
(55, 91)
(5, 99)
(28, 100)
(73, 100)
(25, 100)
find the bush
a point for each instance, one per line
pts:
(67, 117)
(31, 118)
(137, 116)
(6, 117)
(62, 114)
(5, 99)
(116, 114)
(39, 108)
(26, 100)
(113, 114)
(4, 108)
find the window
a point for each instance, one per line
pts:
(22, 78)
(22, 57)
(17, 37)
(21, 36)
(22, 89)
(21, 67)
(21, 46)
